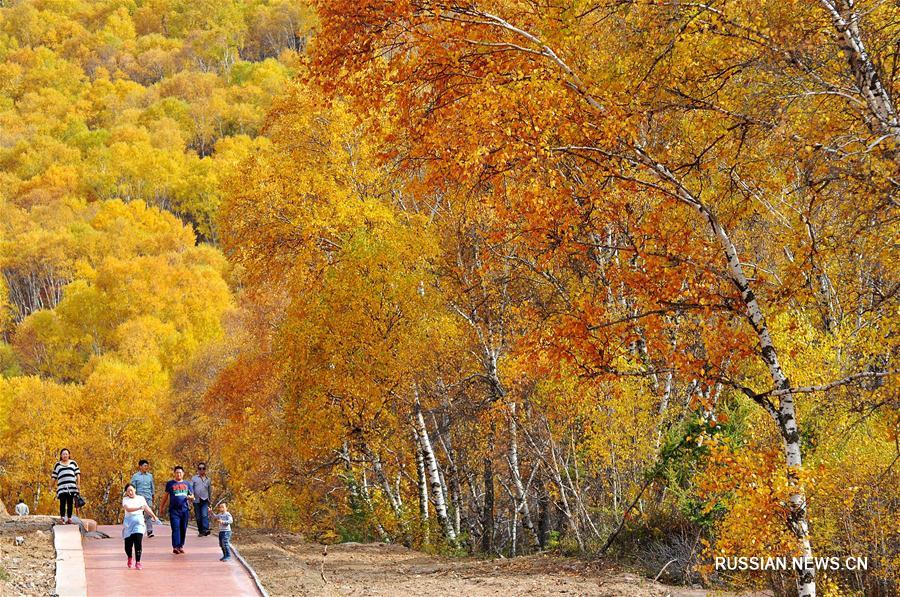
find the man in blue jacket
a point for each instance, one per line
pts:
(143, 486)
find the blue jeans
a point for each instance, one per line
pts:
(178, 520)
(201, 513)
(225, 543)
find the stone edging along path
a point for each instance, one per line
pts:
(71, 580)
(251, 571)
(247, 567)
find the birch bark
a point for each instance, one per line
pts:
(520, 495)
(382, 479)
(487, 510)
(433, 474)
(784, 414)
(422, 482)
(557, 478)
(453, 471)
(845, 20)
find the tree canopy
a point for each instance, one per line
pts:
(487, 277)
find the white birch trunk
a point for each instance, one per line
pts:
(784, 414)
(455, 491)
(845, 20)
(421, 479)
(520, 494)
(663, 407)
(567, 511)
(576, 490)
(382, 479)
(434, 476)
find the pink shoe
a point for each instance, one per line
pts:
(138, 566)
(130, 562)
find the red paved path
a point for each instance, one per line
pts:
(196, 573)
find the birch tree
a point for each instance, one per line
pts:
(706, 133)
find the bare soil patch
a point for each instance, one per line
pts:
(288, 565)
(29, 568)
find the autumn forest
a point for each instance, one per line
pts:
(609, 279)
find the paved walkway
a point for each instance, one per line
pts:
(196, 573)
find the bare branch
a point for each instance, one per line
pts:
(841, 382)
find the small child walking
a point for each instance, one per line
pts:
(225, 520)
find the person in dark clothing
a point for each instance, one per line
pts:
(178, 497)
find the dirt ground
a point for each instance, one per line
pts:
(287, 565)
(30, 568)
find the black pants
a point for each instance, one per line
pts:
(136, 542)
(66, 501)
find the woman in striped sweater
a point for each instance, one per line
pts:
(67, 477)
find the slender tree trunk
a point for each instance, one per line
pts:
(487, 509)
(664, 401)
(353, 494)
(382, 479)
(445, 493)
(474, 519)
(456, 496)
(357, 493)
(370, 511)
(513, 528)
(576, 493)
(663, 407)
(784, 413)
(543, 513)
(520, 494)
(459, 513)
(421, 480)
(845, 20)
(567, 511)
(453, 472)
(434, 477)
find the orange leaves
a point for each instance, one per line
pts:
(352, 321)
(647, 174)
(753, 486)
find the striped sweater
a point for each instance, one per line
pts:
(65, 475)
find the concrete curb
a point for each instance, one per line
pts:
(251, 571)
(247, 567)
(71, 579)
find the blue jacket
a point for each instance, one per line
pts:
(143, 484)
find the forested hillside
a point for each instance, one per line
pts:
(118, 123)
(486, 277)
